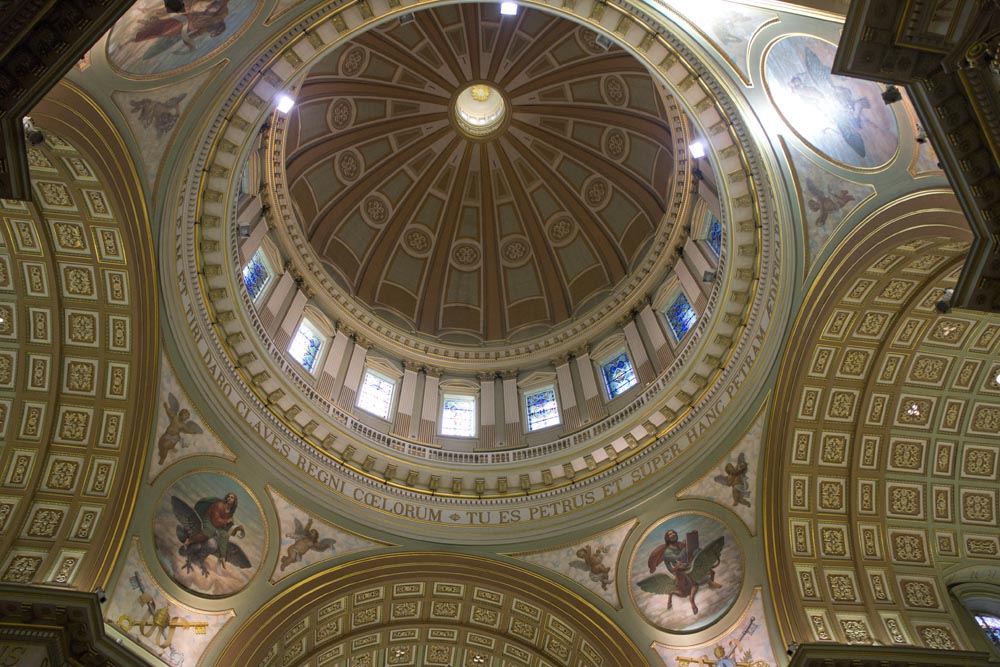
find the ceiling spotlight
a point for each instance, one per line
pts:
(913, 410)
(508, 8)
(697, 149)
(921, 135)
(285, 103)
(891, 95)
(174, 6)
(996, 378)
(708, 277)
(406, 18)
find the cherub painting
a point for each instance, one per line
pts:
(306, 539)
(152, 38)
(841, 118)
(179, 424)
(209, 534)
(691, 557)
(736, 479)
(591, 560)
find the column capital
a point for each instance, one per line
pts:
(486, 376)
(509, 374)
(411, 366)
(561, 359)
(582, 351)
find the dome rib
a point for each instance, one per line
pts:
(370, 277)
(600, 236)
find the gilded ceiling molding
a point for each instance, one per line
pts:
(861, 426)
(550, 481)
(429, 608)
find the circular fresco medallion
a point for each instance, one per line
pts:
(841, 118)
(210, 534)
(686, 572)
(149, 40)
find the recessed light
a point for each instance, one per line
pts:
(697, 150)
(508, 8)
(285, 103)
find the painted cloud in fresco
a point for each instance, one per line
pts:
(841, 118)
(150, 40)
(307, 539)
(592, 563)
(171, 632)
(745, 644)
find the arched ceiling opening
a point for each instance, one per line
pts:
(431, 609)
(884, 456)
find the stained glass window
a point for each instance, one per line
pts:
(458, 416)
(542, 408)
(714, 237)
(680, 316)
(256, 274)
(991, 626)
(306, 344)
(376, 394)
(618, 375)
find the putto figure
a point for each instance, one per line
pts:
(179, 424)
(306, 539)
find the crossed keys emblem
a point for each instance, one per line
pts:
(157, 624)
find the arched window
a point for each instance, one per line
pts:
(257, 274)
(990, 623)
(306, 344)
(459, 412)
(540, 400)
(713, 233)
(680, 315)
(378, 388)
(618, 374)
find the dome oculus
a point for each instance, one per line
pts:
(480, 110)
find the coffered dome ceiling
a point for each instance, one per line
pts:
(496, 228)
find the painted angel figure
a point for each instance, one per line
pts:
(818, 86)
(306, 539)
(592, 562)
(179, 424)
(689, 567)
(736, 479)
(826, 203)
(206, 529)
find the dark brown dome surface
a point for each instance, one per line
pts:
(473, 239)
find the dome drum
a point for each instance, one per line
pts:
(316, 424)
